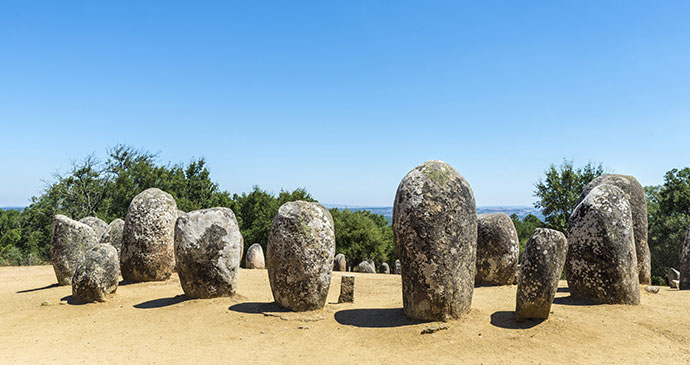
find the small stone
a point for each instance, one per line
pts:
(497, 249)
(98, 225)
(96, 278)
(255, 257)
(339, 263)
(672, 274)
(70, 241)
(303, 327)
(434, 329)
(347, 289)
(675, 284)
(113, 235)
(366, 267)
(45, 304)
(652, 289)
(396, 269)
(385, 269)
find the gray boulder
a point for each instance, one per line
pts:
(69, 243)
(674, 284)
(207, 252)
(497, 250)
(299, 255)
(435, 233)
(98, 225)
(396, 269)
(148, 237)
(366, 267)
(672, 275)
(255, 257)
(385, 269)
(96, 277)
(638, 205)
(540, 269)
(684, 280)
(339, 263)
(113, 235)
(601, 264)
(347, 289)
(180, 213)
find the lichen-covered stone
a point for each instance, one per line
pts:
(497, 250)
(255, 257)
(385, 269)
(435, 233)
(113, 235)
(339, 263)
(684, 280)
(652, 289)
(638, 205)
(347, 289)
(601, 264)
(396, 269)
(366, 267)
(69, 243)
(98, 225)
(299, 255)
(148, 237)
(540, 269)
(96, 277)
(207, 252)
(672, 275)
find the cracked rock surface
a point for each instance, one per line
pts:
(497, 250)
(96, 277)
(69, 243)
(113, 235)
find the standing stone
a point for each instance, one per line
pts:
(638, 205)
(148, 237)
(601, 264)
(435, 233)
(339, 263)
(396, 270)
(684, 281)
(347, 289)
(672, 275)
(366, 267)
(207, 252)
(255, 257)
(98, 225)
(113, 235)
(69, 243)
(497, 250)
(96, 277)
(299, 256)
(540, 269)
(385, 269)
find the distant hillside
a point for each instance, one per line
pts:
(521, 211)
(12, 208)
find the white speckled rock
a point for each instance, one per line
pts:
(638, 205)
(366, 267)
(113, 235)
(98, 225)
(148, 237)
(299, 255)
(385, 269)
(255, 257)
(601, 264)
(207, 252)
(339, 263)
(96, 276)
(497, 250)
(435, 233)
(69, 243)
(540, 269)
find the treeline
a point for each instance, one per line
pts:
(105, 188)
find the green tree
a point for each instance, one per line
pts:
(525, 228)
(559, 192)
(363, 235)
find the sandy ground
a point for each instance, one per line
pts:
(154, 323)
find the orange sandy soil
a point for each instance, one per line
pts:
(155, 323)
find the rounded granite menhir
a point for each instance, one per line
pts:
(339, 263)
(497, 250)
(98, 225)
(255, 257)
(207, 252)
(540, 269)
(435, 234)
(148, 237)
(601, 264)
(69, 243)
(96, 277)
(113, 235)
(299, 255)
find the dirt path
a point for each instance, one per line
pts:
(153, 323)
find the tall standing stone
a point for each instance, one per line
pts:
(497, 250)
(347, 289)
(366, 267)
(69, 243)
(255, 257)
(397, 267)
(113, 235)
(638, 205)
(299, 256)
(601, 264)
(207, 252)
(339, 263)
(540, 269)
(96, 277)
(148, 237)
(684, 281)
(435, 233)
(98, 225)
(385, 269)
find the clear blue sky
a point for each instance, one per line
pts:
(345, 97)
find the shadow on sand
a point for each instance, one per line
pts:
(257, 308)
(570, 300)
(37, 289)
(161, 302)
(563, 290)
(506, 319)
(374, 318)
(71, 301)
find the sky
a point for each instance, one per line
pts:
(344, 98)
